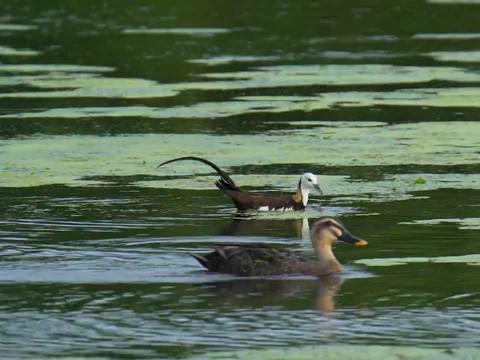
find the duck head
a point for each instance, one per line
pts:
(325, 232)
(308, 182)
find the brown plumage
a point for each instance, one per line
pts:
(245, 200)
(265, 260)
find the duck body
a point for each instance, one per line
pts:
(246, 200)
(244, 260)
(265, 260)
(264, 202)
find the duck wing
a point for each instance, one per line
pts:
(254, 260)
(245, 200)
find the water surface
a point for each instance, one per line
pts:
(380, 100)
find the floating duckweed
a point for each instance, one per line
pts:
(117, 88)
(420, 181)
(464, 224)
(357, 352)
(69, 159)
(472, 259)
(16, 27)
(178, 31)
(8, 51)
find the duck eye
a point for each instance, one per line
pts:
(310, 180)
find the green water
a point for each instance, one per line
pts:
(380, 99)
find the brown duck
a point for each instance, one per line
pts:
(245, 200)
(264, 260)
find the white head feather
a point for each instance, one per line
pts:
(308, 182)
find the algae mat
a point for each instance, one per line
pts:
(347, 352)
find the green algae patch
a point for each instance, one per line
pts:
(16, 27)
(446, 36)
(420, 181)
(464, 224)
(472, 259)
(347, 352)
(41, 160)
(354, 74)
(49, 68)
(456, 56)
(136, 89)
(92, 87)
(229, 59)
(178, 31)
(8, 51)
(263, 77)
(395, 187)
(454, 2)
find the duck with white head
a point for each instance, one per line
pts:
(246, 200)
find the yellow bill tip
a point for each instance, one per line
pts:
(361, 243)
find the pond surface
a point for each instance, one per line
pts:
(381, 100)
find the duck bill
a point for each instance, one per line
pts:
(316, 187)
(349, 238)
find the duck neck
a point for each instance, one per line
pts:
(301, 195)
(327, 259)
(304, 195)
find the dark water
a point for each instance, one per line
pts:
(372, 96)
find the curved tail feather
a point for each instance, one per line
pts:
(224, 183)
(201, 259)
(210, 261)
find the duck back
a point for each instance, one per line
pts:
(256, 261)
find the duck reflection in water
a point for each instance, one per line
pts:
(245, 225)
(304, 293)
